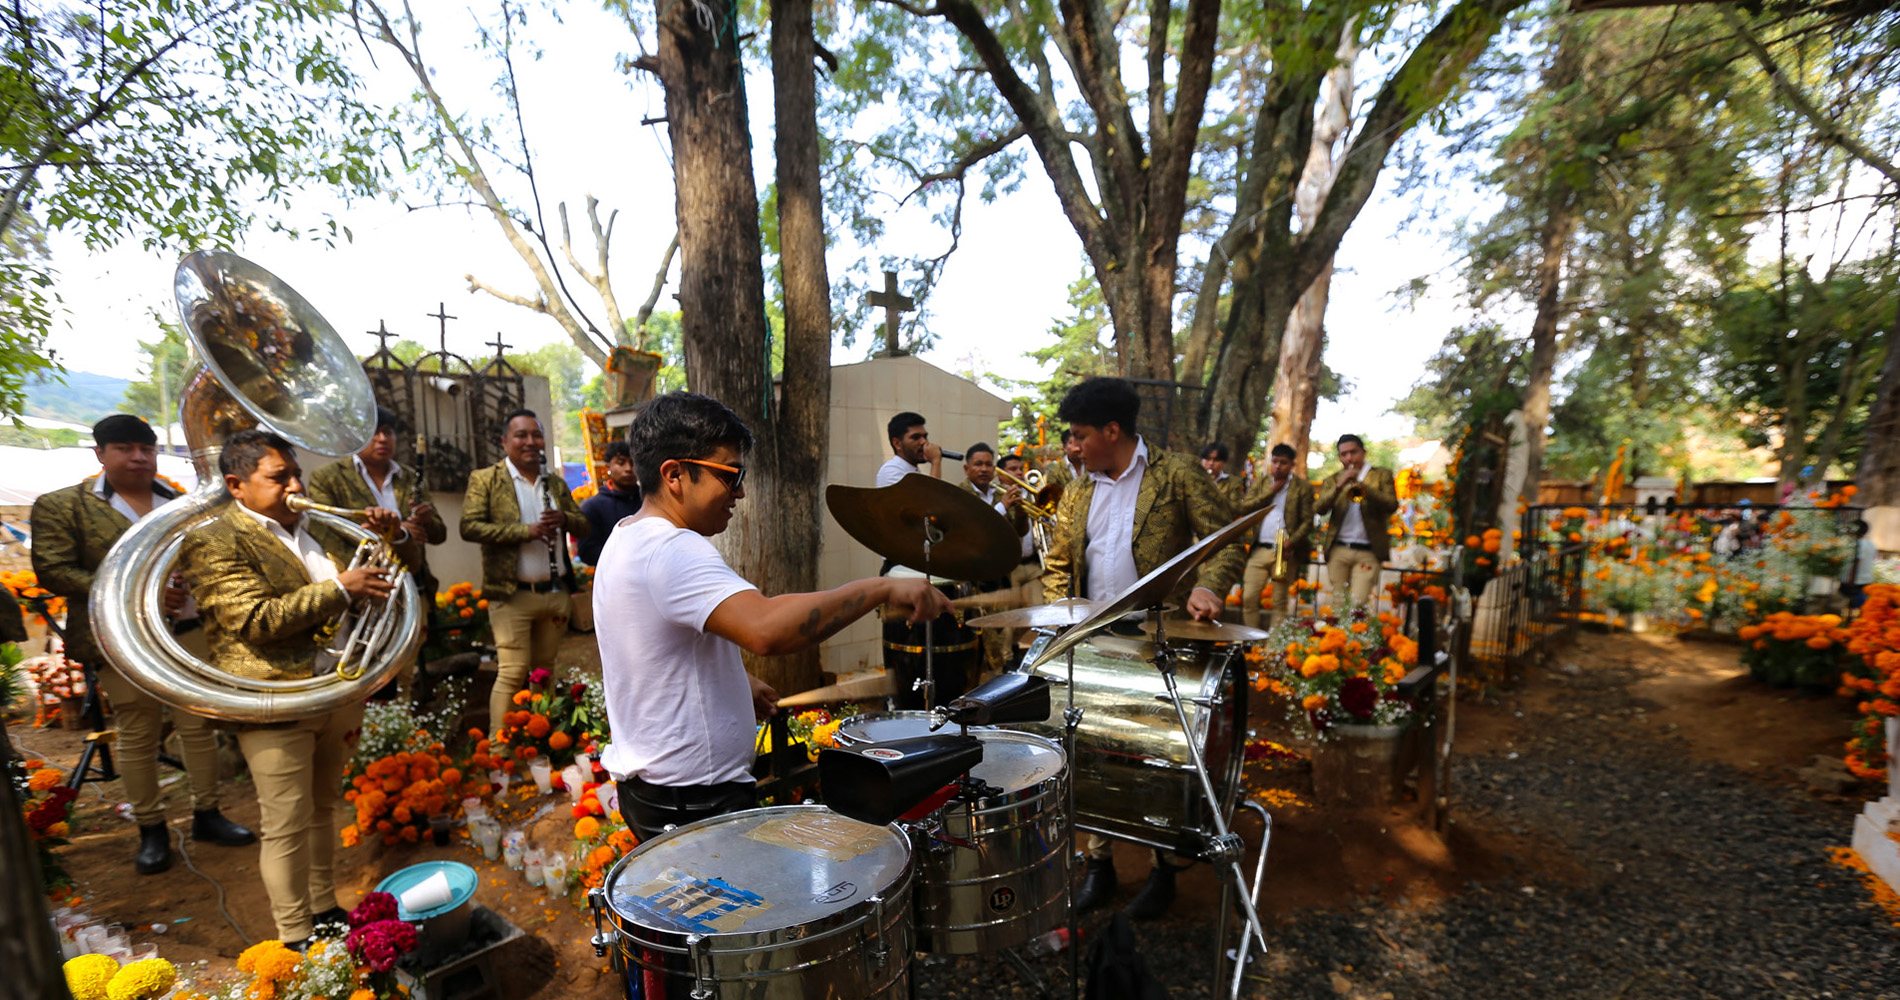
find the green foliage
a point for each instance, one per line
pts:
(38, 437)
(167, 360)
(1085, 346)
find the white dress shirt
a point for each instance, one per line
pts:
(1111, 528)
(104, 491)
(1275, 521)
(1352, 528)
(385, 494)
(536, 561)
(894, 468)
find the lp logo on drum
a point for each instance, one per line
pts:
(837, 893)
(1002, 899)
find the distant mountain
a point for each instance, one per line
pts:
(84, 399)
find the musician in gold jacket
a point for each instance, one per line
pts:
(73, 529)
(268, 585)
(1356, 502)
(520, 513)
(1135, 509)
(1284, 540)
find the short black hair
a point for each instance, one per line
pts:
(1284, 449)
(619, 448)
(510, 418)
(386, 417)
(1009, 456)
(970, 452)
(243, 450)
(123, 428)
(1100, 401)
(901, 424)
(682, 425)
(1345, 439)
(1066, 435)
(1216, 450)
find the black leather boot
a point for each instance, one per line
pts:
(209, 826)
(1156, 895)
(1098, 883)
(155, 849)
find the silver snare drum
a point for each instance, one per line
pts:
(781, 903)
(882, 727)
(992, 872)
(1135, 779)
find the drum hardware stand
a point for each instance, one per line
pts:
(1225, 848)
(1222, 954)
(928, 683)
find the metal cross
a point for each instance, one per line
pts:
(382, 335)
(498, 345)
(895, 305)
(442, 317)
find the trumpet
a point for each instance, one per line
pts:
(1356, 493)
(365, 627)
(1034, 485)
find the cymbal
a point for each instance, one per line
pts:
(879, 686)
(1190, 629)
(1152, 589)
(1061, 614)
(968, 539)
(1005, 598)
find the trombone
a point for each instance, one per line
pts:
(365, 630)
(1034, 484)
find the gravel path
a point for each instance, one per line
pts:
(1660, 877)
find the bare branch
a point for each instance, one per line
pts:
(958, 170)
(653, 297)
(538, 304)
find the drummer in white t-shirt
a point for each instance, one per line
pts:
(671, 617)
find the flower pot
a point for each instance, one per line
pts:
(1357, 765)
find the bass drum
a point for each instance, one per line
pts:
(781, 903)
(1134, 777)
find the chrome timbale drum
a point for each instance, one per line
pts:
(992, 871)
(1135, 779)
(781, 903)
(882, 727)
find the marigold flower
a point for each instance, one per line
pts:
(559, 740)
(142, 980)
(538, 725)
(522, 696)
(586, 828)
(88, 976)
(45, 779)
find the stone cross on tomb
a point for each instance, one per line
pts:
(442, 317)
(895, 305)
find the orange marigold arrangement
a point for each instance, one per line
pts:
(395, 796)
(1788, 649)
(1343, 672)
(551, 720)
(25, 585)
(1874, 638)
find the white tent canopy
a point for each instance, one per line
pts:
(25, 473)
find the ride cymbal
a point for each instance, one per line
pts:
(930, 526)
(1061, 614)
(1194, 630)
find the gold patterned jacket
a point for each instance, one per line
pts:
(1381, 499)
(73, 529)
(492, 518)
(340, 485)
(262, 614)
(1175, 506)
(1297, 513)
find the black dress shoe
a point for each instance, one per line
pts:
(334, 921)
(1098, 883)
(155, 849)
(210, 826)
(1156, 895)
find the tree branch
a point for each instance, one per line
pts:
(976, 154)
(653, 297)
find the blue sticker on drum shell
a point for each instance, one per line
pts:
(694, 905)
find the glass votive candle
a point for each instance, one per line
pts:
(500, 780)
(571, 777)
(514, 848)
(543, 773)
(488, 836)
(473, 809)
(144, 951)
(555, 873)
(532, 871)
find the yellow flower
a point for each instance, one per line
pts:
(88, 975)
(142, 980)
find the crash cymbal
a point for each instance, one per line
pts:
(1152, 589)
(967, 538)
(1061, 614)
(1007, 598)
(879, 686)
(1194, 630)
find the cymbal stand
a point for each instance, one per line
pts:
(928, 684)
(1071, 721)
(1225, 849)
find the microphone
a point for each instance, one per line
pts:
(954, 456)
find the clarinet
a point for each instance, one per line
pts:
(556, 545)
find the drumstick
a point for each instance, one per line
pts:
(878, 686)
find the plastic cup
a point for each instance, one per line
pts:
(543, 776)
(571, 777)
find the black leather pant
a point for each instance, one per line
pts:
(649, 808)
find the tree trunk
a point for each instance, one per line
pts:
(1559, 220)
(1296, 383)
(804, 415)
(1879, 479)
(722, 305)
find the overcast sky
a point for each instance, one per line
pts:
(1000, 294)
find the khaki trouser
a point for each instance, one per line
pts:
(1354, 569)
(298, 771)
(140, 719)
(528, 630)
(1254, 582)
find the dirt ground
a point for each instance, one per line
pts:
(1320, 857)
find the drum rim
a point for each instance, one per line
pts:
(842, 919)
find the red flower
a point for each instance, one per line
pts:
(380, 944)
(1359, 696)
(375, 908)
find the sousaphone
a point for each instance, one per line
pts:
(266, 358)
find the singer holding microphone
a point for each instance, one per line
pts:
(520, 513)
